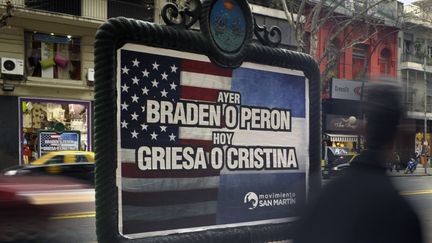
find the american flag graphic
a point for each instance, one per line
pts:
(160, 200)
(52, 141)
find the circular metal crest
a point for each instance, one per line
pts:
(227, 26)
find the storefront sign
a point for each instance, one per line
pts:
(190, 130)
(341, 123)
(346, 90)
(52, 141)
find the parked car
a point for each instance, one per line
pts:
(75, 164)
(338, 166)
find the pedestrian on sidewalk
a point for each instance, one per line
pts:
(426, 156)
(395, 162)
(363, 205)
(392, 162)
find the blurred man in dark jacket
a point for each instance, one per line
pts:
(363, 206)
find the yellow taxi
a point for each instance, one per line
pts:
(65, 157)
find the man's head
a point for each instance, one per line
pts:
(383, 110)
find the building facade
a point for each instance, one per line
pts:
(53, 41)
(415, 71)
(47, 79)
(371, 59)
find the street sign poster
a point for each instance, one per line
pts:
(346, 89)
(203, 147)
(53, 141)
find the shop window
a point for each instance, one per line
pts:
(53, 56)
(58, 159)
(81, 158)
(39, 116)
(359, 56)
(408, 46)
(384, 62)
(429, 51)
(428, 105)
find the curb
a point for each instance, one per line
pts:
(409, 175)
(419, 171)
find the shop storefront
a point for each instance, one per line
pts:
(336, 145)
(422, 146)
(341, 120)
(348, 142)
(53, 124)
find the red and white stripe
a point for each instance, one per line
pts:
(165, 200)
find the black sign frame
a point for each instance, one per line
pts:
(118, 31)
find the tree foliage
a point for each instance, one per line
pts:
(347, 23)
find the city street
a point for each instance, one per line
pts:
(77, 222)
(213, 119)
(418, 190)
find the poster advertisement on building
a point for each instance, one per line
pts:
(346, 89)
(57, 141)
(194, 138)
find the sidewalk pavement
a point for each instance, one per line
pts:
(420, 171)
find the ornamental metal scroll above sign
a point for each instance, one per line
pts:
(202, 136)
(228, 27)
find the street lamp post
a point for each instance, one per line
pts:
(361, 116)
(425, 142)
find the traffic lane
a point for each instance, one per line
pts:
(70, 208)
(41, 214)
(422, 203)
(76, 223)
(412, 183)
(418, 191)
(79, 226)
(76, 226)
(73, 222)
(71, 229)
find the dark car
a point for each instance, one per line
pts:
(338, 166)
(80, 170)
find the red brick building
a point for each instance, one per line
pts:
(371, 60)
(379, 54)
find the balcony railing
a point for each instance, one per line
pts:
(72, 7)
(268, 4)
(408, 57)
(143, 9)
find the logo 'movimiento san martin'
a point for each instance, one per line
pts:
(253, 200)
